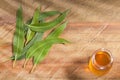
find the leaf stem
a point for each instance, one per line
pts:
(24, 65)
(33, 68)
(14, 62)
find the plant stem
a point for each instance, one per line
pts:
(14, 62)
(24, 65)
(33, 68)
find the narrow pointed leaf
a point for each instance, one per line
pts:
(18, 41)
(36, 15)
(47, 14)
(29, 36)
(37, 37)
(41, 55)
(38, 45)
(35, 20)
(57, 31)
(41, 27)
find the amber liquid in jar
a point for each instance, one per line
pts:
(100, 62)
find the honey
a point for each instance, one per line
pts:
(100, 62)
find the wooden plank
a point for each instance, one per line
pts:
(81, 10)
(65, 62)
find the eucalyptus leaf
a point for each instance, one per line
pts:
(43, 51)
(37, 37)
(41, 27)
(36, 15)
(41, 55)
(30, 35)
(38, 45)
(28, 41)
(57, 31)
(35, 20)
(47, 14)
(18, 41)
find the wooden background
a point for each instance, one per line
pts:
(81, 10)
(93, 24)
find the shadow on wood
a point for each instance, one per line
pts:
(78, 69)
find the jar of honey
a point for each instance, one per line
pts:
(101, 62)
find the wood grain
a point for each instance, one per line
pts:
(81, 10)
(65, 62)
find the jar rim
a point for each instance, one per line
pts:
(99, 66)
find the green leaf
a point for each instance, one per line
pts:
(29, 36)
(38, 45)
(40, 57)
(36, 15)
(37, 37)
(47, 14)
(57, 31)
(43, 52)
(18, 41)
(41, 27)
(35, 20)
(45, 49)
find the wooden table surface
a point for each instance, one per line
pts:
(81, 10)
(65, 62)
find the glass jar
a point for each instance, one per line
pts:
(101, 62)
